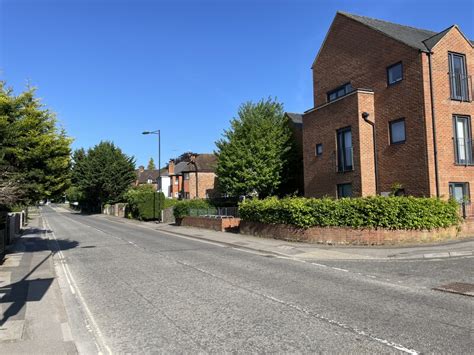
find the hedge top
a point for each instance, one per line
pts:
(364, 212)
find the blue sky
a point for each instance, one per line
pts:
(111, 69)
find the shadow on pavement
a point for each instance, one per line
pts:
(31, 290)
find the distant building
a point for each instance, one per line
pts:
(194, 177)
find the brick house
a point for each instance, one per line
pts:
(148, 177)
(392, 106)
(194, 177)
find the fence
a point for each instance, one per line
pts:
(10, 228)
(214, 212)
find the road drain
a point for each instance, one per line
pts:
(461, 288)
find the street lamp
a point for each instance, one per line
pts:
(157, 132)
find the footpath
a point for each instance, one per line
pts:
(33, 316)
(306, 251)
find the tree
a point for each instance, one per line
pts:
(253, 155)
(102, 174)
(151, 164)
(34, 153)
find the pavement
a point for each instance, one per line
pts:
(35, 311)
(306, 251)
(147, 288)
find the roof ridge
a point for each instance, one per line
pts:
(348, 14)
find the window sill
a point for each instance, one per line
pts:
(465, 165)
(394, 83)
(398, 143)
(460, 100)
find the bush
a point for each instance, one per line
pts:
(183, 207)
(365, 212)
(144, 204)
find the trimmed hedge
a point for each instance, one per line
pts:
(182, 208)
(365, 212)
(140, 204)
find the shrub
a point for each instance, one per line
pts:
(144, 204)
(365, 212)
(182, 208)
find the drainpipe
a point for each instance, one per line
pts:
(365, 116)
(433, 123)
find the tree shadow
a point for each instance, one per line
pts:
(26, 290)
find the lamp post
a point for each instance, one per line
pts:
(157, 132)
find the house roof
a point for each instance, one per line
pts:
(144, 175)
(411, 36)
(296, 118)
(204, 163)
(178, 168)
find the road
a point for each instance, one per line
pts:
(148, 291)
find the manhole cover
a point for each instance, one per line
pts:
(461, 288)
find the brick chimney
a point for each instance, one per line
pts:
(141, 168)
(171, 167)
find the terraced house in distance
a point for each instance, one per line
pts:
(392, 106)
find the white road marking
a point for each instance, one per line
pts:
(339, 269)
(75, 290)
(322, 265)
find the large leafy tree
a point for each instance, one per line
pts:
(102, 174)
(34, 153)
(254, 154)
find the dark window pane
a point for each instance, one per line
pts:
(395, 73)
(463, 140)
(319, 149)
(344, 190)
(344, 150)
(397, 131)
(458, 77)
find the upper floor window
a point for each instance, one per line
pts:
(176, 180)
(344, 149)
(339, 92)
(395, 73)
(149, 181)
(458, 77)
(186, 176)
(397, 131)
(462, 140)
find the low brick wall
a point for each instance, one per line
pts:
(350, 236)
(217, 224)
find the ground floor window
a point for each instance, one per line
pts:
(344, 190)
(459, 191)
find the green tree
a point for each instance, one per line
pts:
(151, 164)
(254, 154)
(34, 153)
(102, 174)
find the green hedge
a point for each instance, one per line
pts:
(369, 212)
(182, 208)
(140, 204)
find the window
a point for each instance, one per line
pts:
(458, 77)
(462, 140)
(344, 149)
(176, 180)
(149, 181)
(176, 194)
(397, 131)
(394, 73)
(319, 149)
(459, 191)
(186, 176)
(344, 190)
(339, 92)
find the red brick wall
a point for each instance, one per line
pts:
(344, 236)
(444, 109)
(217, 224)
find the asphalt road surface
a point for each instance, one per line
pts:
(147, 291)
